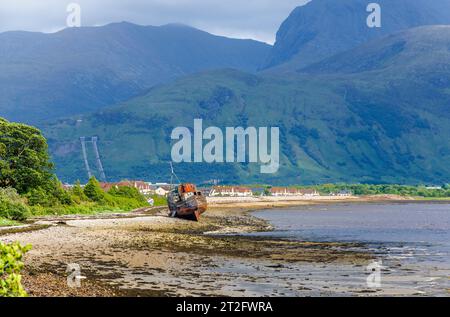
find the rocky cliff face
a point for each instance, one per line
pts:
(323, 28)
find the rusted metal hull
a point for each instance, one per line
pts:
(190, 208)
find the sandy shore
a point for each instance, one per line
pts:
(280, 202)
(149, 254)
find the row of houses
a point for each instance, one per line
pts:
(239, 191)
(215, 191)
(286, 191)
(231, 191)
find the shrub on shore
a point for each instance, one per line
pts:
(53, 195)
(93, 199)
(12, 205)
(159, 200)
(94, 192)
(78, 193)
(10, 267)
(124, 197)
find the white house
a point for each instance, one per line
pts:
(231, 191)
(162, 190)
(286, 191)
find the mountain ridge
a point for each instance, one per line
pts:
(350, 127)
(78, 70)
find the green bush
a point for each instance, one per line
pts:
(159, 200)
(12, 206)
(127, 192)
(77, 193)
(10, 267)
(93, 191)
(39, 197)
(53, 194)
(62, 196)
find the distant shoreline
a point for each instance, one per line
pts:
(254, 203)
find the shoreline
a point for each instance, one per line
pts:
(251, 204)
(281, 202)
(146, 253)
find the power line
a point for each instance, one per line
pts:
(93, 141)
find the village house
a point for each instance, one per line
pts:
(309, 192)
(434, 188)
(231, 191)
(286, 191)
(162, 190)
(344, 193)
(206, 191)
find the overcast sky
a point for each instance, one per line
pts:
(256, 19)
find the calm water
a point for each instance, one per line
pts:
(418, 233)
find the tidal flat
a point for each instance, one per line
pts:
(149, 254)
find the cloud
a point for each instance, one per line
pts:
(257, 19)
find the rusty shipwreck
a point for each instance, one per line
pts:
(186, 202)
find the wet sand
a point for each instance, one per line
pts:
(149, 254)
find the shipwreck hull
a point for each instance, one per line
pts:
(187, 205)
(190, 209)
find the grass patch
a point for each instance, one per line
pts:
(159, 201)
(82, 209)
(433, 198)
(8, 223)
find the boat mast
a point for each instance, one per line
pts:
(172, 176)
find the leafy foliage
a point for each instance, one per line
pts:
(159, 200)
(24, 159)
(12, 206)
(93, 191)
(50, 195)
(78, 194)
(127, 192)
(90, 199)
(10, 267)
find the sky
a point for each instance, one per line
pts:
(255, 19)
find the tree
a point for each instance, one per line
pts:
(24, 159)
(93, 191)
(78, 193)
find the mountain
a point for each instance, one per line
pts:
(77, 70)
(416, 62)
(401, 52)
(378, 113)
(323, 28)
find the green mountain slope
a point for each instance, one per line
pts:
(79, 70)
(383, 117)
